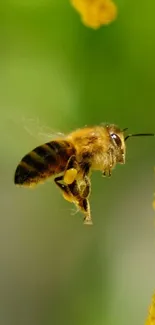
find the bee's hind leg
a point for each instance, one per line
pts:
(80, 195)
(64, 188)
(71, 170)
(84, 206)
(73, 194)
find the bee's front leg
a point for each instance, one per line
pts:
(107, 169)
(107, 172)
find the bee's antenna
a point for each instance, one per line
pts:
(139, 135)
(124, 129)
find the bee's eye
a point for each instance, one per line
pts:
(117, 139)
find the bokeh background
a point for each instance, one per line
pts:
(58, 75)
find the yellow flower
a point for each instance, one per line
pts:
(151, 317)
(95, 13)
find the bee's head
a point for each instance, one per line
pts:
(118, 139)
(118, 142)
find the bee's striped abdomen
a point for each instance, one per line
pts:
(43, 162)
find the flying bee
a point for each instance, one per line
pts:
(70, 159)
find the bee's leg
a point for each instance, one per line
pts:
(86, 168)
(106, 173)
(80, 199)
(71, 170)
(84, 203)
(84, 183)
(84, 206)
(71, 193)
(108, 170)
(64, 188)
(85, 187)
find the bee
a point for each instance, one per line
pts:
(72, 158)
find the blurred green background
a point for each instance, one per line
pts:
(58, 75)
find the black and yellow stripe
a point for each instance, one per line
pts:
(43, 162)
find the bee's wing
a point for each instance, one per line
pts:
(33, 128)
(39, 131)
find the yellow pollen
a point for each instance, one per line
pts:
(70, 176)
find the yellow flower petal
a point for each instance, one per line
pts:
(151, 317)
(95, 13)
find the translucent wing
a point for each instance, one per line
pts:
(39, 131)
(35, 129)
